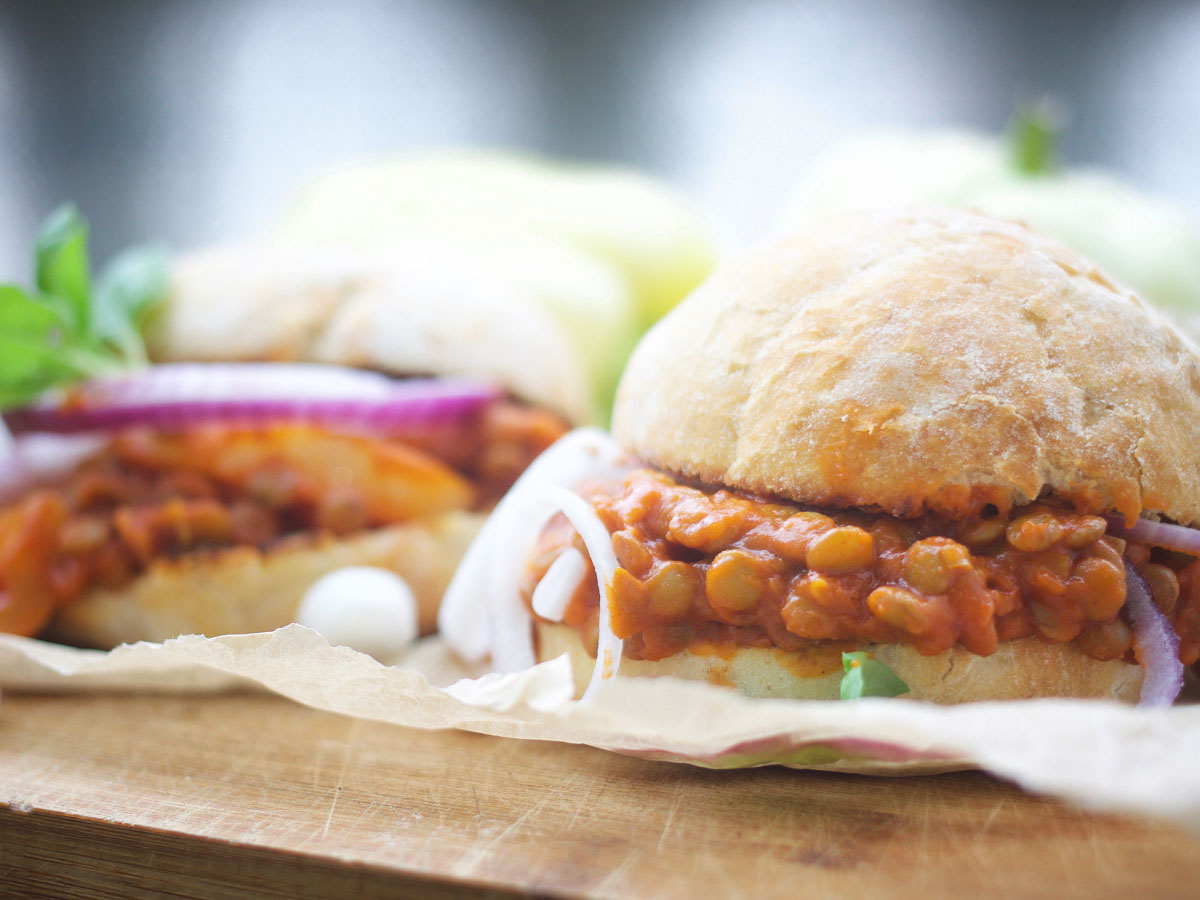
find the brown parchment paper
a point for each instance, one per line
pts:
(1098, 754)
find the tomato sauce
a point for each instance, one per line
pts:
(151, 495)
(705, 569)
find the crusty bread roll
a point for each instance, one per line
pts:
(421, 310)
(910, 361)
(241, 590)
(1018, 670)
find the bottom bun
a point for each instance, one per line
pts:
(1018, 670)
(242, 590)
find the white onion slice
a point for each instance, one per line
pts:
(553, 593)
(599, 547)
(1157, 644)
(511, 644)
(482, 611)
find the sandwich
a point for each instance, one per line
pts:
(307, 410)
(928, 444)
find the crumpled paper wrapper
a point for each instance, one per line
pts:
(1098, 754)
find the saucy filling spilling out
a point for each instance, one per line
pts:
(150, 495)
(712, 571)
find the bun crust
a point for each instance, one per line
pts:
(927, 360)
(1018, 670)
(422, 310)
(241, 590)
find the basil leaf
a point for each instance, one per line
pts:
(61, 267)
(21, 313)
(65, 330)
(126, 293)
(28, 366)
(864, 676)
(37, 347)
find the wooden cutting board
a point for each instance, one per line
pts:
(120, 796)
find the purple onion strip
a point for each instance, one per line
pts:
(1156, 644)
(183, 396)
(1159, 534)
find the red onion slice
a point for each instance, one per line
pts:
(1160, 534)
(1154, 641)
(180, 395)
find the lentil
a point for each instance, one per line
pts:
(842, 550)
(735, 582)
(931, 565)
(899, 607)
(1164, 586)
(1033, 532)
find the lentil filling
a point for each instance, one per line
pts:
(149, 495)
(712, 571)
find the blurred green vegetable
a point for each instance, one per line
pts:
(1145, 242)
(65, 329)
(1033, 138)
(864, 676)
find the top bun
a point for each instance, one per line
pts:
(920, 360)
(421, 309)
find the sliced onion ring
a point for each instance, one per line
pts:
(180, 395)
(1160, 534)
(1154, 643)
(553, 593)
(482, 612)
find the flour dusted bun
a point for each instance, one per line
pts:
(422, 309)
(920, 360)
(1018, 670)
(241, 590)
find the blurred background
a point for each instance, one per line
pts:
(193, 122)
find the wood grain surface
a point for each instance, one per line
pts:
(126, 796)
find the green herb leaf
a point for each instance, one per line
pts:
(127, 291)
(864, 676)
(27, 368)
(1033, 135)
(64, 331)
(21, 313)
(61, 262)
(30, 330)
